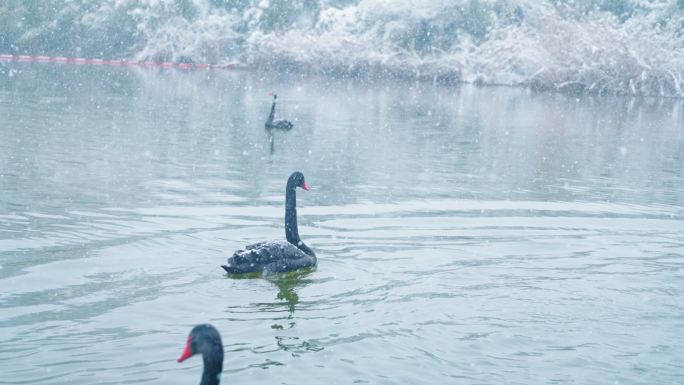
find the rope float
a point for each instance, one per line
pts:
(115, 62)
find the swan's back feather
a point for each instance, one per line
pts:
(280, 124)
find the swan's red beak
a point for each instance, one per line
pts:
(187, 352)
(270, 93)
(305, 186)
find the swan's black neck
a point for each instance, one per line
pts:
(291, 229)
(271, 116)
(213, 365)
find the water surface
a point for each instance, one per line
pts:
(465, 235)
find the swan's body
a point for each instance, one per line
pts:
(280, 124)
(277, 256)
(269, 256)
(206, 340)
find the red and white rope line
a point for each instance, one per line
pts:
(116, 62)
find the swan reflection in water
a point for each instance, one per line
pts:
(287, 298)
(288, 284)
(271, 139)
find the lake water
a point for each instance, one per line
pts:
(465, 235)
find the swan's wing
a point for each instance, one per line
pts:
(283, 124)
(284, 250)
(256, 245)
(271, 249)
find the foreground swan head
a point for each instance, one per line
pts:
(277, 256)
(206, 340)
(297, 180)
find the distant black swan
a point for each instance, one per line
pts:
(206, 340)
(280, 124)
(277, 256)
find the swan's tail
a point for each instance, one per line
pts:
(242, 261)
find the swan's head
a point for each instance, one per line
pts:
(271, 93)
(203, 339)
(297, 180)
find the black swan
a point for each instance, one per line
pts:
(280, 124)
(277, 256)
(206, 340)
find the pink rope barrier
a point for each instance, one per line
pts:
(114, 62)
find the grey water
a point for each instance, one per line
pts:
(465, 235)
